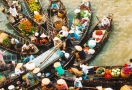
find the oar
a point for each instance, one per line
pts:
(49, 55)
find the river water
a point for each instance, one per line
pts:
(117, 50)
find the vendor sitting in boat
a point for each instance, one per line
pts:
(80, 54)
(57, 42)
(55, 7)
(61, 85)
(27, 48)
(105, 23)
(77, 84)
(18, 69)
(72, 35)
(47, 84)
(43, 39)
(30, 79)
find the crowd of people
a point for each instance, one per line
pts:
(31, 75)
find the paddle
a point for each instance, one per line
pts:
(49, 55)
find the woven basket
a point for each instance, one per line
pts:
(125, 75)
(116, 75)
(100, 75)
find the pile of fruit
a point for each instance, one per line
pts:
(34, 6)
(115, 72)
(26, 27)
(37, 18)
(100, 71)
(107, 74)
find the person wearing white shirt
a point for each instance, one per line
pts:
(13, 12)
(18, 70)
(85, 68)
(27, 47)
(105, 22)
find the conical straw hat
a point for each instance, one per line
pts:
(77, 11)
(64, 28)
(11, 87)
(19, 65)
(56, 64)
(30, 66)
(60, 81)
(56, 38)
(45, 81)
(36, 70)
(43, 35)
(36, 13)
(78, 48)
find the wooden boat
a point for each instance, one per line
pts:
(30, 33)
(47, 65)
(32, 37)
(99, 43)
(42, 20)
(6, 43)
(95, 80)
(81, 23)
(92, 52)
(45, 62)
(57, 19)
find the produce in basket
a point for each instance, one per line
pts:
(100, 71)
(107, 73)
(115, 72)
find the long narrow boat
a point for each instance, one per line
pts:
(47, 66)
(58, 18)
(33, 6)
(6, 43)
(115, 82)
(45, 61)
(27, 27)
(81, 23)
(94, 42)
(93, 47)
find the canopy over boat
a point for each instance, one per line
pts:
(48, 57)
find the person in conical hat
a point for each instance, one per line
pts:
(36, 13)
(80, 54)
(58, 68)
(30, 80)
(30, 66)
(77, 84)
(11, 87)
(64, 32)
(18, 70)
(47, 84)
(57, 42)
(61, 85)
(35, 74)
(77, 13)
(72, 35)
(44, 39)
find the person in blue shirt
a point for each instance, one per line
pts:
(72, 35)
(77, 84)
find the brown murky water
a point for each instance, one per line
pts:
(117, 50)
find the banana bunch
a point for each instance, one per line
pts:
(34, 7)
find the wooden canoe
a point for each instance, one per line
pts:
(42, 12)
(55, 21)
(102, 41)
(21, 40)
(115, 82)
(81, 24)
(36, 26)
(47, 67)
